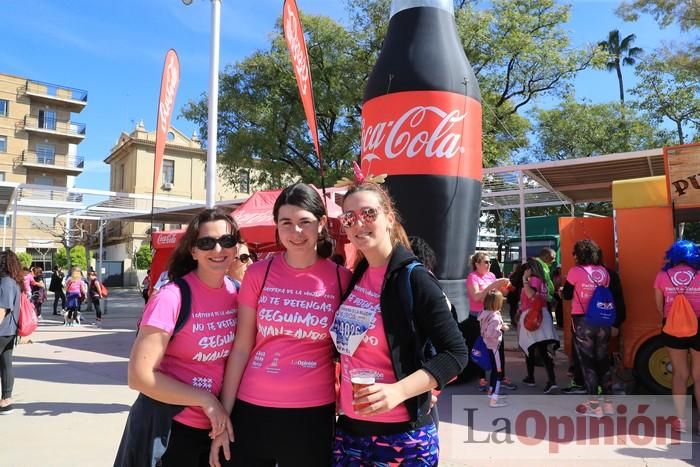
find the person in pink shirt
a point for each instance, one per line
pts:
(680, 275)
(590, 341)
(280, 379)
(183, 367)
(388, 421)
(480, 282)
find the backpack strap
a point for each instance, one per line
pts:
(406, 299)
(267, 272)
(185, 305)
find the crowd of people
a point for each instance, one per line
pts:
(240, 362)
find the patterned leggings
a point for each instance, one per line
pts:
(591, 344)
(415, 448)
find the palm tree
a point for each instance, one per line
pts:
(617, 51)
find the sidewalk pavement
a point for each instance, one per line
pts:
(71, 402)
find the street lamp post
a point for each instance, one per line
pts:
(212, 122)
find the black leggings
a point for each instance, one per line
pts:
(59, 295)
(591, 344)
(187, 447)
(7, 375)
(541, 349)
(496, 375)
(96, 306)
(268, 436)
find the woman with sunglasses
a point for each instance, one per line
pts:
(480, 282)
(240, 263)
(388, 421)
(279, 383)
(184, 366)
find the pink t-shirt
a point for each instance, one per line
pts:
(580, 277)
(679, 279)
(541, 288)
(73, 286)
(373, 353)
(27, 281)
(291, 365)
(475, 307)
(198, 352)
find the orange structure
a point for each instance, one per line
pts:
(634, 244)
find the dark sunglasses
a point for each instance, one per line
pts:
(208, 243)
(244, 258)
(367, 215)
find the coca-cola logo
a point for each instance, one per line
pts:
(291, 34)
(427, 130)
(171, 76)
(169, 239)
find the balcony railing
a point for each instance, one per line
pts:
(55, 126)
(55, 91)
(57, 161)
(37, 195)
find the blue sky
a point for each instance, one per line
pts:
(115, 51)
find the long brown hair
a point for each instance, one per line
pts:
(10, 267)
(303, 196)
(398, 233)
(181, 261)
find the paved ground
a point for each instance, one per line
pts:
(72, 401)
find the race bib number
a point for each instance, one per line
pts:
(349, 327)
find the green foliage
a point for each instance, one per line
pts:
(619, 52)
(669, 92)
(143, 257)
(77, 257)
(579, 129)
(519, 50)
(25, 259)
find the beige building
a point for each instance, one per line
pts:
(182, 177)
(39, 141)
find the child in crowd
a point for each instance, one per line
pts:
(76, 291)
(492, 327)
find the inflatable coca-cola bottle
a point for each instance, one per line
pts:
(421, 125)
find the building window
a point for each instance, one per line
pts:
(4, 107)
(47, 119)
(45, 153)
(43, 180)
(3, 143)
(6, 221)
(244, 181)
(157, 227)
(168, 171)
(2, 176)
(120, 177)
(171, 136)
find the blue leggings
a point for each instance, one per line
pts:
(419, 447)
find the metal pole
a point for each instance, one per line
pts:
(99, 258)
(4, 231)
(523, 231)
(14, 225)
(213, 102)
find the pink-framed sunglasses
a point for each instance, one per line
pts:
(366, 215)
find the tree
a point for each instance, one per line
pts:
(685, 54)
(72, 232)
(143, 257)
(25, 259)
(261, 118)
(78, 257)
(620, 53)
(669, 92)
(580, 129)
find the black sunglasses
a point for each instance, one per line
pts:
(244, 258)
(208, 243)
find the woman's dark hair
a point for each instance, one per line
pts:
(423, 252)
(535, 268)
(587, 252)
(10, 267)
(516, 278)
(181, 261)
(303, 196)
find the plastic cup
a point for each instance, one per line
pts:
(360, 378)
